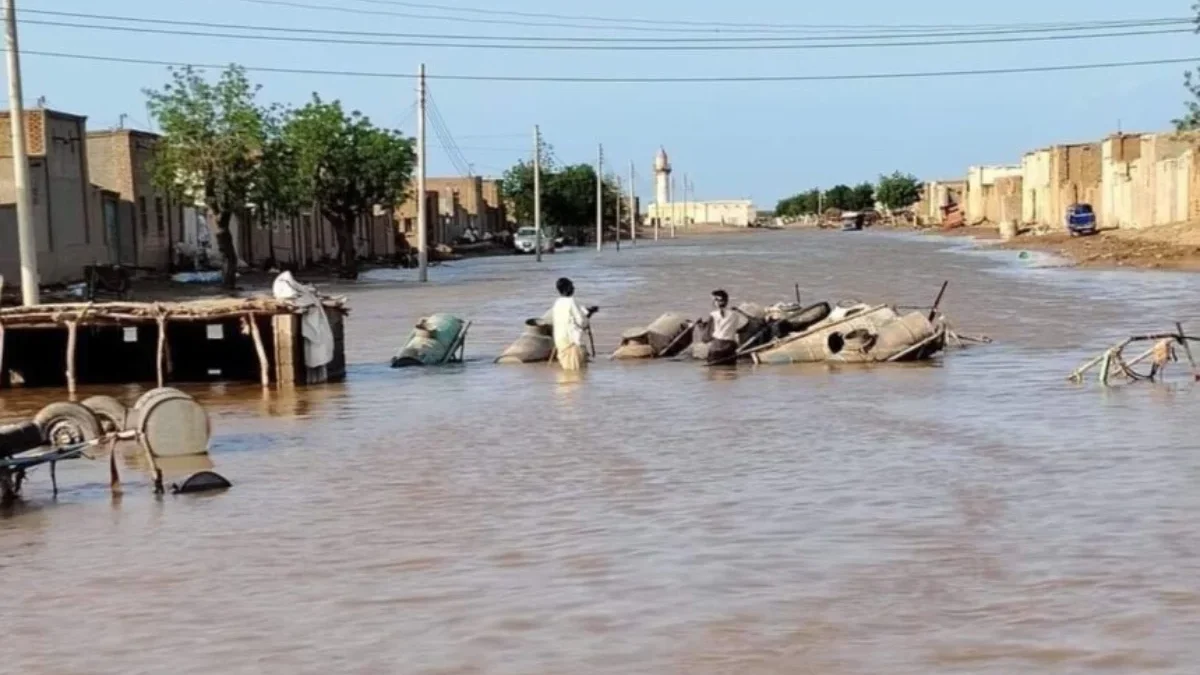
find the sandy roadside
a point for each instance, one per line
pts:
(1167, 247)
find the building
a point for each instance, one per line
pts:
(455, 206)
(1149, 179)
(67, 208)
(936, 197)
(1057, 177)
(148, 223)
(665, 213)
(985, 185)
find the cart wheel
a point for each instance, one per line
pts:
(112, 413)
(65, 424)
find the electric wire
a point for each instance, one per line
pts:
(577, 79)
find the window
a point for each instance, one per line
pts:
(160, 214)
(144, 215)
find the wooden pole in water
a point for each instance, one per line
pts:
(161, 351)
(72, 337)
(263, 366)
(1187, 349)
(938, 301)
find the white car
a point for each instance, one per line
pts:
(525, 241)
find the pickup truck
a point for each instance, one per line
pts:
(1081, 220)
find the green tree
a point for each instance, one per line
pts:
(1191, 81)
(864, 197)
(347, 166)
(213, 140)
(568, 197)
(277, 193)
(840, 197)
(802, 204)
(899, 190)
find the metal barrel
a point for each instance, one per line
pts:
(171, 423)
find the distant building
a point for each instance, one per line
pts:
(454, 207)
(67, 209)
(147, 222)
(665, 213)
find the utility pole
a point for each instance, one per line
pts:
(422, 206)
(537, 191)
(600, 200)
(674, 211)
(25, 237)
(686, 222)
(618, 210)
(633, 211)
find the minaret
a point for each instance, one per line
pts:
(662, 178)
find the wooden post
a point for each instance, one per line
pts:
(263, 365)
(2, 381)
(161, 352)
(72, 338)
(1187, 350)
(286, 327)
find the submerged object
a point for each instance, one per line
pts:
(170, 423)
(810, 346)
(436, 340)
(203, 481)
(909, 337)
(859, 333)
(535, 345)
(667, 336)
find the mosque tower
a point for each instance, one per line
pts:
(662, 178)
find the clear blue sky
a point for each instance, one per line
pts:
(755, 140)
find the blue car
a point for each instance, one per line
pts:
(1081, 220)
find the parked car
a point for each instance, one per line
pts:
(1081, 220)
(525, 241)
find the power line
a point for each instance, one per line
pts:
(715, 25)
(634, 80)
(1032, 29)
(665, 27)
(605, 47)
(443, 132)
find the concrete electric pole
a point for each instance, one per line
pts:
(632, 208)
(617, 206)
(600, 200)
(537, 192)
(422, 207)
(27, 243)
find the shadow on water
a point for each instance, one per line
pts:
(972, 515)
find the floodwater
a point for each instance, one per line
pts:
(978, 515)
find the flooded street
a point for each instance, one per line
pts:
(976, 515)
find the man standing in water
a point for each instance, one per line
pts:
(570, 321)
(726, 323)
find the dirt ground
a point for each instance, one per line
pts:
(1173, 247)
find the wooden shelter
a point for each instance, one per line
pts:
(255, 339)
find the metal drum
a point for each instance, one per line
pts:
(171, 424)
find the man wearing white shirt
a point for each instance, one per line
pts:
(570, 321)
(726, 323)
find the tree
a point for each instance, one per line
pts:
(840, 197)
(346, 166)
(864, 197)
(1191, 81)
(804, 203)
(213, 140)
(899, 190)
(517, 188)
(568, 197)
(277, 193)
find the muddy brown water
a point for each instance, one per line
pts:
(977, 515)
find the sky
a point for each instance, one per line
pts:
(735, 140)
